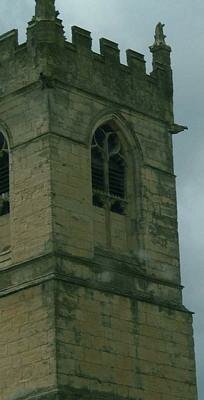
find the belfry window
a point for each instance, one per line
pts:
(108, 170)
(4, 176)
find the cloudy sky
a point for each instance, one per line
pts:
(131, 23)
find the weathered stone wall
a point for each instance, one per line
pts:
(25, 118)
(71, 197)
(79, 330)
(155, 201)
(27, 342)
(31, 224)
(114, 346)
(153, 215)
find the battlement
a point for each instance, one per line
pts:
(81, 42)
(74, 63)
(109, 50)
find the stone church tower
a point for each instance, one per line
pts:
(90, 292)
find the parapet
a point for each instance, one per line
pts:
(109, 50)
(136, 62)
(81, 38)
(76, 64)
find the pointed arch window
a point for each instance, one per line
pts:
(4, 176)
(108, 170)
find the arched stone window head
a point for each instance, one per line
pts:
(4, 176)
(108, 170)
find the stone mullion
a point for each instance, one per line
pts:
(107, 198)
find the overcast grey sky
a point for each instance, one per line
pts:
(131, 23)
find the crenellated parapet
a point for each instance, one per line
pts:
(75, 64)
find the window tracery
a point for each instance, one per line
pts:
(108, 170)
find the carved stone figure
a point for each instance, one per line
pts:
(159, 34)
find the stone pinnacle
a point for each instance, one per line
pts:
(45, 10)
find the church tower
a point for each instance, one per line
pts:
(90, 291)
